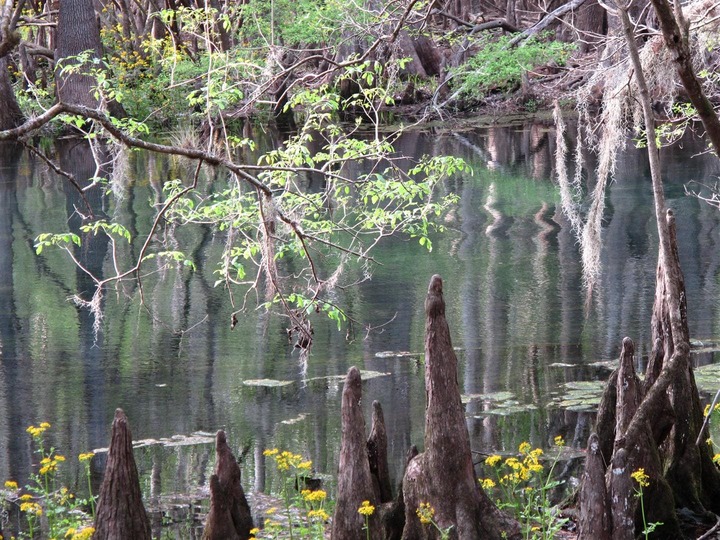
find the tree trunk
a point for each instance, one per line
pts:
(120, 511)
(679, 474)
(229, 515)
(219, 524)
(377, 455)
(443, 476)
(10, 114)
(77, 32)
(676, 41)
(355, 483)
(595, 519)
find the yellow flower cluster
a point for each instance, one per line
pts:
(31, 508)
(253, 533)
(707, 409)
(641, 478)
(366, 509)
(49, 464)
(487, 483)
(286, 460)
(86, 456)
(425, 512)
(11, 484)
(313, 496)
(320, 515)
(559, 441)
(82, 534)
(716, 459)
(37, 432)
(521, 469)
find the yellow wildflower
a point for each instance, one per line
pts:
(11, 484)
(559, 441)
(425, 512)
(84, 534)
(319, 514)
(641, 478)
(492, 460)
(86, 456)
(313, 496)
(487, 483)
(716, 459)
(305, 465)
(366, 509)
(37, 432)
(707, 409)
(524, 447)
(31, 508)
(254, 531)
(26, 497)
(270, 452)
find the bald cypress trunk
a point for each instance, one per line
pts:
(120, 511)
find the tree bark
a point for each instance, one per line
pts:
(377, 455)
(10, 114)
(443, 475)
(595, 519)
(219, 524)
(120, 511)
(77, 32)
(355, 483)
(229, 515)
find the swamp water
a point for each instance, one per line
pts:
(532, 355)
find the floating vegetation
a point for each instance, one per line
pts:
(297, 419)
(498, 403)
(708, 378)
(581, 395)
(397, 354)
(268, 383)
(507, 408)
(607, 364)
(493, 396)
(198, 437)
(365, 375)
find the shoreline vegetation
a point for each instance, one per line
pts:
(325, 77)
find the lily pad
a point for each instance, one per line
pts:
(580, 395)
(364, 375)
(607, 364)
(396, 354)
(176, 440)
(508, 408)
(291, 421)
(269, 383)
(492, 396)
(708, 378)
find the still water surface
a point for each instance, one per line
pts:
(513, 287)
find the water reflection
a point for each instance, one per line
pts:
(514, 296)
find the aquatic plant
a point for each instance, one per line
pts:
(522, 487)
